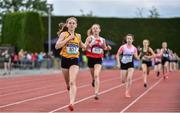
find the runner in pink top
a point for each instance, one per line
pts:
(158, 61)
(128, 52)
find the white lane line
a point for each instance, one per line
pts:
(26, 91)
(48, 95)
(25, 83)
(105, 91)
(30, 81)
(133, 102)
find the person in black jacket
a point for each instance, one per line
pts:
(7, 62)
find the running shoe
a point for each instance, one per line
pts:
(96, 97)
(71, 108)
(127, 95)
(68, 88)
(165, 77)
(93, 83)
(158, 73)
(145, 85)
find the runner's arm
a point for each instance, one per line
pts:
(82, 45)
(152, 52)
(106, 47)
(61, 41)
(137, 56)
(117, 56)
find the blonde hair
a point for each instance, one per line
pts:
(89, 32)
(63, 26)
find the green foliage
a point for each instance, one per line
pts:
(8, 6)
(156, 30)
(23, 30)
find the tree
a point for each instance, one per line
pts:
(39, 6)
(140, 12)
(10, 6)
(154, 13)
(90, 14)
(82, 12)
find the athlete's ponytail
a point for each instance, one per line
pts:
(89, 32)
(62, 28)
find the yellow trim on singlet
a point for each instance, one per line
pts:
(74, 44)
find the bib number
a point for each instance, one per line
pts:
(97, 50)
(72, 49)
(127, 59)
(165, 55)
(7, 56)
(146, 59)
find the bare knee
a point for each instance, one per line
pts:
(144, 72)
(96, 76)
(72, 83)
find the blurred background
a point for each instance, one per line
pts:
(28, 28)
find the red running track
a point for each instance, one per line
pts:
(48, 93)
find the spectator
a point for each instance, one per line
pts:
(40, 59)
(7, 62)
(84, 60)
(21, 56)
(15, 60)
(50, 60)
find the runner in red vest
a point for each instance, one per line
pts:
(95, 52)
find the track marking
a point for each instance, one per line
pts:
(25, 91)
(103, 92)
(26, 83)
(133, 102)
(2, 95)
(48, 95)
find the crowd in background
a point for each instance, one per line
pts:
(28, 60)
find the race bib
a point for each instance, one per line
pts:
(165, 55)
(146, 59)
(127, 59)
(72, 49)
(7, 56)
(97, 50)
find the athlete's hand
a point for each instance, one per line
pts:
(138, 58)
(92, 43)
(71, 37)
(109, 47)
(118, 65)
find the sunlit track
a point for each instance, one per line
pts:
(15, 84)
(84, 99)
(111, 88)
(55, 84)
(40, 88)
(139, 97)
(55, 93)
